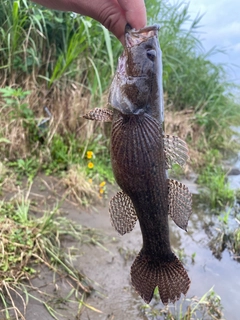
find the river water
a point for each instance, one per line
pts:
(214, 266)
(219, 271)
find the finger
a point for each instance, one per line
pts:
(109, 13)
(135, 12)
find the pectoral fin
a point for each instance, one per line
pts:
(176, 151)
(179, 203)
(104, 115)
(122, 213)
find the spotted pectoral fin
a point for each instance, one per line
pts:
(179, 203)
(97, 114)
(176, 151)
(122, 213)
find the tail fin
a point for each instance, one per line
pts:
(170, 277)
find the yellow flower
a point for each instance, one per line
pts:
(101, 191)
(89, 154)
(102, 184)
(90, 165)
(90, 180)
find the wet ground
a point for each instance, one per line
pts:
(109, 267)
(205, 272)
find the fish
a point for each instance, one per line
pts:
(141, 154)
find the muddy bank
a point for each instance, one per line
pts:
(108, 264)
(110, 270)
(115, 297)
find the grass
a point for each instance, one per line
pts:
(50, 151)
(236, 242)
(205, 308)
(224, 232)
(213, 182)
(216, 189)
(79, 189)
(66, 62)
(42, 148)
(27, 242)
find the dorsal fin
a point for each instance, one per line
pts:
(98, 114)
(122, 213)
(176, 151)
(179, 203)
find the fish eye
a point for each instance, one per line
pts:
(151, 54)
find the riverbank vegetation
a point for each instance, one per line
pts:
(33, 230)
(205, 308)
(54, 67)
(65, 63)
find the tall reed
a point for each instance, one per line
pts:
(67, 61)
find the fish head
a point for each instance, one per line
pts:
(137, 84)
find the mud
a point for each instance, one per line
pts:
(106, 266)
(109, 265)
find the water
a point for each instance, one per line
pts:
(208, 271)
(213, 265)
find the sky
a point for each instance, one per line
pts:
(220, 26)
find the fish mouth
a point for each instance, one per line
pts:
(134, 37)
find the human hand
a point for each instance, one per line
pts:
(113, 14)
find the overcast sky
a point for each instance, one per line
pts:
(221, 28)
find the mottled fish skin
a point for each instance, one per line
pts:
(138, 162)
(140, 155)
(138, 165)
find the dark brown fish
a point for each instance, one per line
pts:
(140, 155)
